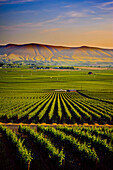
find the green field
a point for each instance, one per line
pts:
(37, 80)
(27, 95)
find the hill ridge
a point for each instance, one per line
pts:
(55, 55)
(41, 44)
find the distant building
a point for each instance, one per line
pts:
(71, 90)
(90, 73)
(61, 90)
(56, 67)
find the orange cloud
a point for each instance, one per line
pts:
(51, 30)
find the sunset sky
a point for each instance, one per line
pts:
(65, 22)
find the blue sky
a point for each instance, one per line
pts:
(67, 22)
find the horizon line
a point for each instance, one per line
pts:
(65, 46)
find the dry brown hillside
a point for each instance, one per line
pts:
(56, 54)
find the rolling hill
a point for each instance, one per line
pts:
(55, 55)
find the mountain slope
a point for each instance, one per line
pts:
(53, 55)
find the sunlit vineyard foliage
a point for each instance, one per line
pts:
(62, 147)
(23, 155)
(28, 96)
(54, 107)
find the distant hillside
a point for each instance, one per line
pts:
(55, 55)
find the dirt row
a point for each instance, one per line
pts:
(14, 126)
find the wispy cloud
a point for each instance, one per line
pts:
(67, 21)
(67, 6)
(66, 18)
(92, 12)
(51, 30)
(105, 5)
(52, 20)
(4, 2)
(76, 14)
(25, 26)
(97, 18)
(18, 27)
(24, 12)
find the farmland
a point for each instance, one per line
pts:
(28, 96)
(68, 137)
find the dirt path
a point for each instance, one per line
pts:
(14, 126)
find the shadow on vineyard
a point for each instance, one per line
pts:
(57, 148)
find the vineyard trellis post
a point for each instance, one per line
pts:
(28, 164)
(63, 164)
(96, 164)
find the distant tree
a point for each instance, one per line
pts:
(1, 64)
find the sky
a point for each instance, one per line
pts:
(57, 22)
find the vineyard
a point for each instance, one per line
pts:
(58, 148)
(64, 130)
(54, 107)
